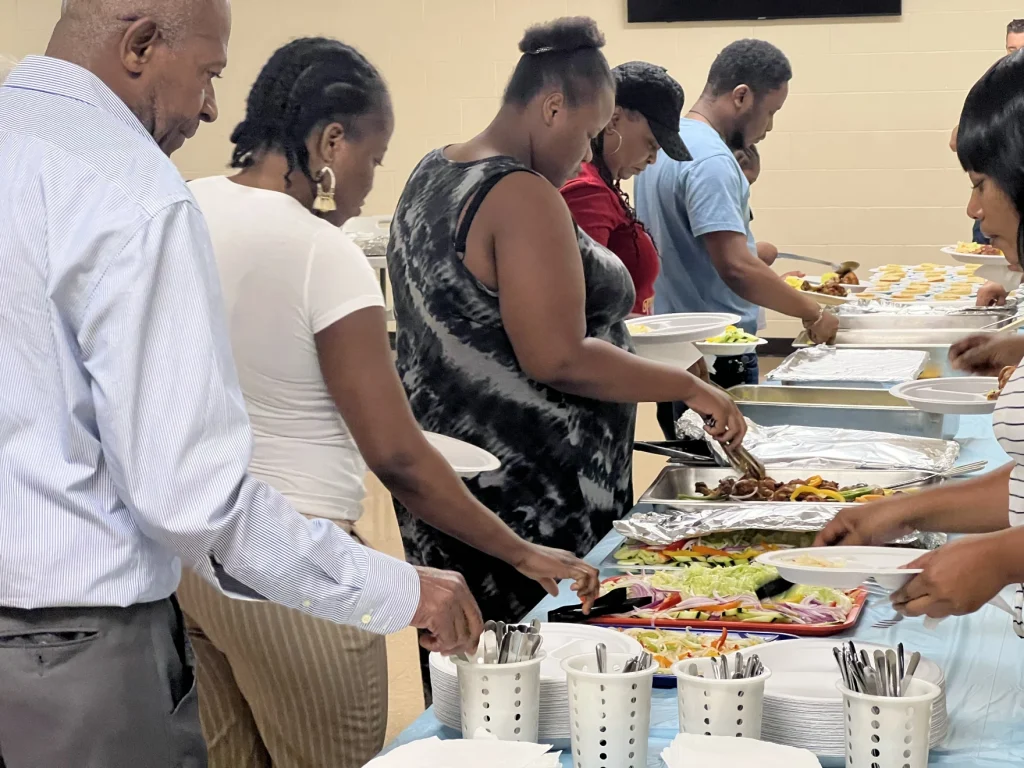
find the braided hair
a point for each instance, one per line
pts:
(307, 83)
(597, 148)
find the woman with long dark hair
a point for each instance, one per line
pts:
(309, 337)
(962, 576)
(510, 320)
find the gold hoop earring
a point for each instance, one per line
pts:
(324, 202)
(619, 145)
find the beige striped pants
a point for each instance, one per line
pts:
(280, 689)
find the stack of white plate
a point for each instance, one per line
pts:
(561, 641)
(804, 709)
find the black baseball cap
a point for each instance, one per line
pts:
(651, 91)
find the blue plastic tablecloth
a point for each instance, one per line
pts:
(982, 658)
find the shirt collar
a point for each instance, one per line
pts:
(70, 81)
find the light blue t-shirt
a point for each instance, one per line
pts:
(679, 203)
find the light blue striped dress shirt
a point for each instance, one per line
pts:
(124, 440)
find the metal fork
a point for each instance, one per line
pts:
(873, 589)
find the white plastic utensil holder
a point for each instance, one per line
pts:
(503, 699)
(711, 707)
(889, 731)
(609, 713)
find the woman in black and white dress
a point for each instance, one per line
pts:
(965, 574)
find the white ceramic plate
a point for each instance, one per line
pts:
(467, 460)
(973, 258)
(966, 395)
(728, 350)
(805, 669)
(852, 566)
(850, 288)
(829, 301)
(687, 326)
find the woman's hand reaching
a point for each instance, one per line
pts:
(548, 566)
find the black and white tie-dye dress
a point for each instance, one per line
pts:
(566, 461)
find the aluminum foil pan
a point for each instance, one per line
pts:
(662, 528)
(371, 244)
(829, 448)
(823, 364)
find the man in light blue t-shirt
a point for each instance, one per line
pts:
(698, 211)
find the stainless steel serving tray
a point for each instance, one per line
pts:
(675, 480)
(872, 410)
(935, 341)
(888, 322)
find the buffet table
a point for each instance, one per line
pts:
(982, 657)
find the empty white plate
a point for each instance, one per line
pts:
(966, 395)
(683, 326)
(844, 567)
(467, 460)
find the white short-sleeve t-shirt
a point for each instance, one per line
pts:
(286, 275)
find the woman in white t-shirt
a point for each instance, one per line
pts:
(963, 575)
(309, 337)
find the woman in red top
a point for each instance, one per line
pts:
(648, 106)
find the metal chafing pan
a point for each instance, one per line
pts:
(872, 410)
(935, 341)
(676, 480)
(972, 320)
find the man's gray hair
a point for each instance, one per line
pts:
(6, 65)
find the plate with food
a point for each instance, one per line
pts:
(841, 568)
(742, 597)
(682, 326)
(830, 277)
(715, 549)
(730, 343)
(832, 293)
(669, 646)
(963, 395)
(975, 253)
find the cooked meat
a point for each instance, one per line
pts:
(850, 278)
(832, 288)
(744, 487)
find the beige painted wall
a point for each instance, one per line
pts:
(857, 168)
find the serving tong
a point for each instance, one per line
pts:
(503, 643)
(634, 664)
(883, 673)
(739, 458)
(615, 602)
(741, 670)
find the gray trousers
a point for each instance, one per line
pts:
(98, 688)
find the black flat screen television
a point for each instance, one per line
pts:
(640, 11)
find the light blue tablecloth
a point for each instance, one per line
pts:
(982, 658)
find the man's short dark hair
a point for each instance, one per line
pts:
(755, 63)
(1015, 27)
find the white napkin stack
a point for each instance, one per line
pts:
(689, 750)
(484, 750)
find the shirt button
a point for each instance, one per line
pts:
(307, 604)
(367, 619)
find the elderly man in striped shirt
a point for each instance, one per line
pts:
(124, 440)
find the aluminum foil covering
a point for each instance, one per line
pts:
(830, 448)
(661, 528)
(370, 243)
(828, 364)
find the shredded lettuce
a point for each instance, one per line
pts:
(734, 580)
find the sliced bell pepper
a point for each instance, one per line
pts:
(718, 607)
(824, 493)
(710, 552)
(720, 642)
(815, 481)
(674, 598)
(869, 497)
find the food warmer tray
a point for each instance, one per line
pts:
(872, 410)
(886, 321)
(675, 480)
(935, 341)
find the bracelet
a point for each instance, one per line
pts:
(812, 323)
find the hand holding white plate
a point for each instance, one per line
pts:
(844, 567)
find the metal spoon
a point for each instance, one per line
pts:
(602, 658)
